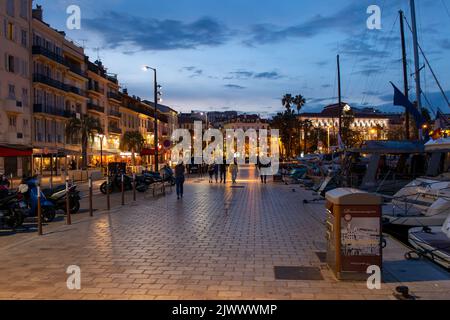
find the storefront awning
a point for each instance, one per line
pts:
(148, 152)
(12, 152)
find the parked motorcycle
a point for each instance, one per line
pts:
(48, 209)
(13, 208)
(115, 184)
(168, 175)
(58, 196)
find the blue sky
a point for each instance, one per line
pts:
(245, 54)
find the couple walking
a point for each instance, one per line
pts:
(215, 170)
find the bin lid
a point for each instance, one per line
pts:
(349, 196)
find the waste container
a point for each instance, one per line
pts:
(353, 232)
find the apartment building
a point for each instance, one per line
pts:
(15, 87)
(59, 83)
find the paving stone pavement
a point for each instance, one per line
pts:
(218, 242)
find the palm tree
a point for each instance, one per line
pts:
(306, 126)
(287, 101)
(85, 129)
(132, 141)
(299, 101)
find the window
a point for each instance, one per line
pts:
(12, 91)
(24, 9)
(25, 97)
(12, 121)
(10, 31)
(24, 39)
(10, 8)
(10, 63)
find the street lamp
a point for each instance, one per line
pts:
(101, 136)
(156, 91)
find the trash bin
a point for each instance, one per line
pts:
(353, 232)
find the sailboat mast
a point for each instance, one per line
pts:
(405, 71)
(416, 55)
(339, 95)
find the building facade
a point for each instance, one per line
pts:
(370, 123)
(59, 93)
(15, 87)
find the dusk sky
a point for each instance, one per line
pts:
(246, 54)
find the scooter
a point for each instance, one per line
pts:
(48, 209)
(115, 184)
(13, 208)
(58, 196)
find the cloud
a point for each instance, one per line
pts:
(193, 71)
(245, 74)
(234, 86)
(122, 29)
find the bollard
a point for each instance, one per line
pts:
(69, 216)
(108, 200)
(134, 187)
(123, 189)
(91, 210)
(39, 211)
(11, 186)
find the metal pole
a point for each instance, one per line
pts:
(69, 216)
(11, 184)
(416, 57)
(134, 187)
(156, 123)
(101, 154)
(39, 211)
(91, 210)
(123, 189)
(108, 200)
(405, 71)
(339, 95)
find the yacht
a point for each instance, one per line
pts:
(426, 200)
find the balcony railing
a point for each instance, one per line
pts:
(115, 96)
(115, 113)
(49, 54)
(49, 81)
(113, 129)
(77, 70)
(95, 88)
(92, 106)
(56, 111)
(76, 90)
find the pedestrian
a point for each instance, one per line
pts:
(223, 172)
(262, 171)
(234, 170)
(179, 179)
(211, 168)
(216, 172)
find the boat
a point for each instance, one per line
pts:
(425, 201)
(433, 243)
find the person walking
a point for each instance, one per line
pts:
(234, 170)
(216, 172)
(179, 179)
(223, 172)
(211, 169)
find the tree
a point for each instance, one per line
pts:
(132, 141)
(350, 137)
(306, 125)
(85, 129)
(286, 122)
(299, 101)
(287, 101)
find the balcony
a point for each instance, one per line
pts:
(114, 96)
(76, 90)
(96, 89)
(114, 113)
(13, 106)
(94, 107)
(52, 110)
(77, 70)
(115, 130)
(49, 81)
(38, 50)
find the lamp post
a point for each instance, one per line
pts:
(146, 68)
(101, 136)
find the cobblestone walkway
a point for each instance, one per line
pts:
(219, 242)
